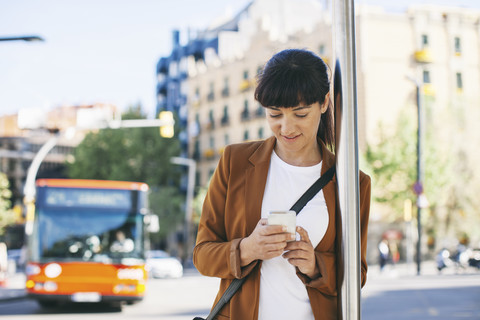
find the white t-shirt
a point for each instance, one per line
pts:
(282, 293)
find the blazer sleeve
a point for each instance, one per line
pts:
(326, 261)
(214, 254)
(365, 190)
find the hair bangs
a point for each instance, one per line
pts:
(288, 87)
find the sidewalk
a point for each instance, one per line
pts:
(14, 288)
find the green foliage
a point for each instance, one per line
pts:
(134, 154)
(448, 179)
(392, 165)
(7, 216)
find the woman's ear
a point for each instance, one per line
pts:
(326, 102)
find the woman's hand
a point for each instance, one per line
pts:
(265, 242)
(301, 254)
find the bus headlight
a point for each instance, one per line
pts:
(50, 286)
(53, 270)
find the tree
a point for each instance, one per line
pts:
(448, 179)
(135, 154)
(7, 216)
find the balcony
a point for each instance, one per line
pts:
(423, 56)
(245, 85)
(428, 90)
(209, 153)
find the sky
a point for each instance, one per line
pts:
(102, 51)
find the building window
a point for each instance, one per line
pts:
(260, 133)
(458, 46)
(259, 70)
(321, 50)
(225, 90)
(246, 135)
(424, 43)
(426, 76)
(198, 177)
(260, 111)
(211, 120)
(211, 94)
(196, 150)
(245, 113)
(226, 139)
(459, 80)
(245, 75)
(225, 118)
(210, 173)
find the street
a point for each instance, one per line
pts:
(391, 295)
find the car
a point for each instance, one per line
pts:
(160, 264)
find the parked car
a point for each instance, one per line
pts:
(161, 265)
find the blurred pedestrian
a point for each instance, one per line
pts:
(384, 253)
(284, 280)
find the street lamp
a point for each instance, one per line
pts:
(23, 38)
(418, 186)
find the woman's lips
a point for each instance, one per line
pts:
(290, 138)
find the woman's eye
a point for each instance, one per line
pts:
(272, 115)
(301, 115)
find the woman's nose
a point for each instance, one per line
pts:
(288, 126)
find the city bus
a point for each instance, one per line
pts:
(86, 241)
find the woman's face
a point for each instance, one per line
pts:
(296, 130)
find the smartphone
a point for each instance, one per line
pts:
(283, 218)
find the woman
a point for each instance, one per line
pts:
(284, 279)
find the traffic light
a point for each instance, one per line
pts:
(166, 130)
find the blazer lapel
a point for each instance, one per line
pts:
(255, 181)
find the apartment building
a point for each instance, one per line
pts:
(434, 47)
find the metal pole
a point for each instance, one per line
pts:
(192, 165)
(29, 190)
(346, 151)
(419, 180)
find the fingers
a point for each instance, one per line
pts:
(301, 253)
(303, 234)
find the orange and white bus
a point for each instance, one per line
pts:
(87, 241)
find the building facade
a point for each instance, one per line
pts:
(436, 47)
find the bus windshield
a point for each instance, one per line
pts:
(88, 234)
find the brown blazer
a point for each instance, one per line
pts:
(232, 209)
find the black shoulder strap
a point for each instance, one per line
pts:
(297, 207)
(313, 190)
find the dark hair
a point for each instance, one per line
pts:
(296, 76)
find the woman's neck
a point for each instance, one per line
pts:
(303, 158)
